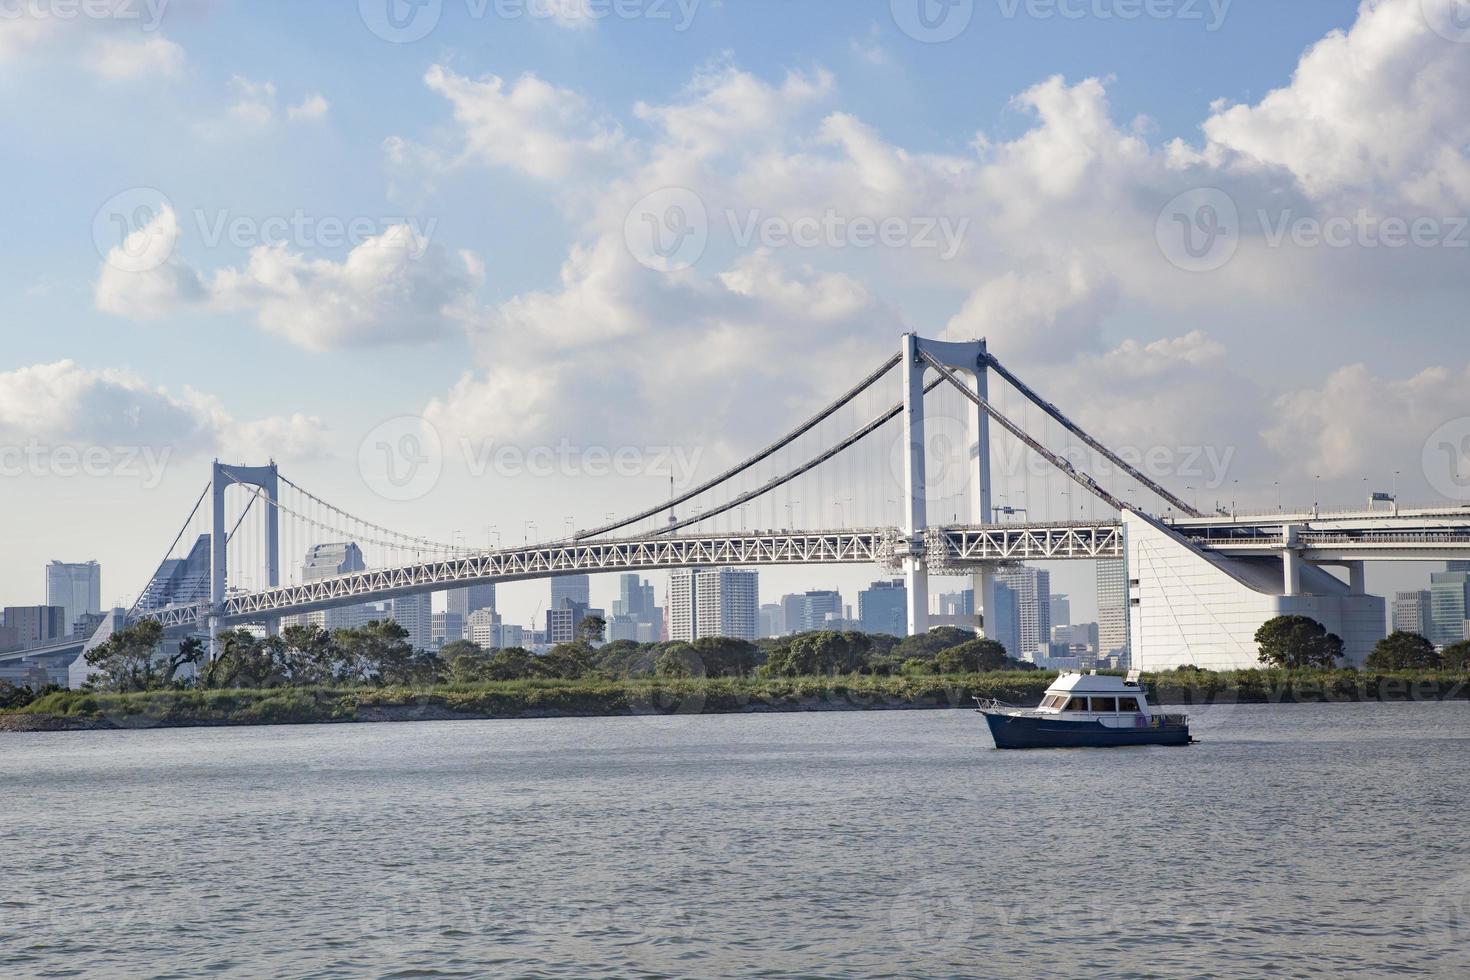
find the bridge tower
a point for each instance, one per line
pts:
(267, 480)
(971, 360)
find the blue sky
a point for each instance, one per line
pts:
(515, 147)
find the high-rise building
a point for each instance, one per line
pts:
(332, 560)
(714, 602)
(635, 613)
(470, 600)
(179, 581)
(1032, 588)
(1079, 640)
(577, 588)
(482, 628)
(415, 613)
(507, 636)
(448, 627)
(810, 611)
(34, 623)
(1003, 623)
(76, 587)
(957, 605)
(1411, 612)
(883, 607)
(773, 620)
(1449, 606)
(1457, 566)
(1112, 608)
(1061, 610)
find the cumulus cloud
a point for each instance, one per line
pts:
(312, 108)
(392, 288)
(63, 403)
(1380, 109)
(527, 125)
(1064, 250)
(1356, 420)
(124, 59)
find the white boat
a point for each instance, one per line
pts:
(1085, 711)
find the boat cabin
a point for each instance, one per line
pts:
(1094, 695)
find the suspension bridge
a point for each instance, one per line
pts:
(916, 439)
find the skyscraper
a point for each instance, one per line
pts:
(1061, 611)
(577, 588)
(1112, 607)
(331, 560)
(1003, 623)
(1411, 612)
(1032, 588)
(76, 587)
(415, 613)
(810, 610)
(448, 626)
(470, 600)
(33, 623)
(1449, 605)
(883, 608)
(635, 613)
(714, 602)
(179, 581)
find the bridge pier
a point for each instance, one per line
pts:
(267, 479)
(970, 358)
(1291, 561)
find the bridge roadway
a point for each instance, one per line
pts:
(1425, 534)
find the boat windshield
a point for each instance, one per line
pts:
(1077, 704)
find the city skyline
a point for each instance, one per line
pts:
(115, 406)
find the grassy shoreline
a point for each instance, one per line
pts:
(83, 710)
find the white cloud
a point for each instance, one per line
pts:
(528, 125)
(125, 59)
(63, 403)
(255, 103)
(312, 108)
(1357, 421)
(1383, 108)
(393, 288)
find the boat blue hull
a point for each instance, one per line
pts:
(1030, 732)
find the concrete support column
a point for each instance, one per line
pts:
(1358, 577)
(915, 489)
(1291, 561)
(218, 538)
(981, 512)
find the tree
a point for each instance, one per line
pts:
(380, 651)
(247, 661)
(460, 648)
(927, 646)
(1456, 656)
(973, 657)
(679, 660)
(822, 652)
(128, 660)
(723, 656)
(1403, 651)
(591, 629)
(1298, 642)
